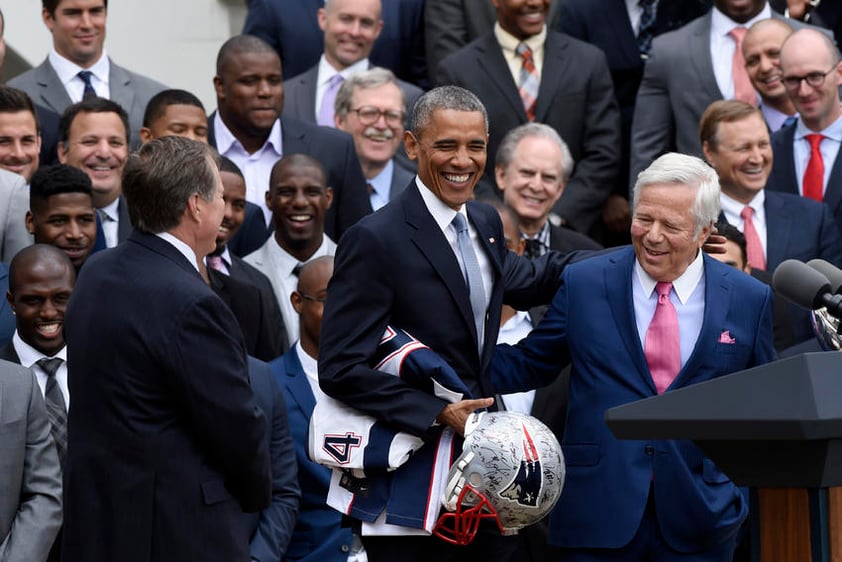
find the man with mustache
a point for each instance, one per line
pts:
(372, 107)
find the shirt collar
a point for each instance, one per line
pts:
(181, 246)
(442, 214)
(326, 71)
(286, 262)
(67, 70)
(28, 355)
(309, 365)
(110, 210)
(731, 205)
(833, 131)
(382, 182)
(683, 286)
(721, 25)
(509, 42)
(225, 139)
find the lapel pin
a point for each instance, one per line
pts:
(491, 240)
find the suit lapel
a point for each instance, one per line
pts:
(297, 382)
(778, 224)
(833, 191)
(552, 73)
(53, 95)
(124, 223)
(120, 86)
(699, 49)
(783, 169)
(490, 59)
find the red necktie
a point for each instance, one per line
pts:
(662, 346)
(529, 81)
(743, 90)
(813, 183)
(754, 249)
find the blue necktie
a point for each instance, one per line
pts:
(646, 28)
(473, 275)
(89, 92)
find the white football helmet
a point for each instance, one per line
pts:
(511, 470)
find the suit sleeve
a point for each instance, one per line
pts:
(277, 521)
(209, 355)
(446, 32)
(15, 235)
(38, 518)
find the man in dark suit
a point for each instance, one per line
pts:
(164, 421)
(350, 28)
(404, 265)
(372, 108)
(292, 28)
(76, 68)
(319, 535)
(812, 74)
(247, 129)
(566, 84)
(638, 322)
(94, 137)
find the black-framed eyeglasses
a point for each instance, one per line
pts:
(813, 79)
(369, 115)
(305, 296)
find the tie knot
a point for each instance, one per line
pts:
(737, 34)
(50, 365)
(335, 80)
(297, 269)
(663, 289)
(524, 51)
(85, 75)
(815, 140)
(459, 223)
(215, 262)
(747, 213)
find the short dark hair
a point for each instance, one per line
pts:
(13, 100)
(723, 111)
(244, 43)
(57, 178)
(160, 177)
(444, 97)
(228, 165)
(37, 252)
(90, 105)
(159, 103)
(299, 160)
(732, 233)
(51, 5)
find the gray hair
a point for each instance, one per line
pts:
(443, 97)
(682, 169)
(365, 80)
(159, 179)
(507, 148)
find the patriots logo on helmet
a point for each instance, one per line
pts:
(340, 446)
(525, 487)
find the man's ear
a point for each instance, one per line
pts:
(296, 301)
(29, 222)
(410, 143)
(145, 135)
(329, 196)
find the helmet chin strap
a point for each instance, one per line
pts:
(460, 526)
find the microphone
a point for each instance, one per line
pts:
(804, 286)
(833, 273)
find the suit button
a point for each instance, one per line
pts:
(344, 548)
(649, 450)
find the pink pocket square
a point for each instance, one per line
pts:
(725, 337)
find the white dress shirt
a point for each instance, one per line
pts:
(722, 46)
(29, 356)
(109, 218)
(68, 74)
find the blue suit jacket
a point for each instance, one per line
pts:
(608, 481)
(318, 536)
(783, 176)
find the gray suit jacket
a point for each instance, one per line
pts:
(30, 489)
(678, 85)
(129, 89)
(14, 202)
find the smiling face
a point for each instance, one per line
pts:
(78, 29)
(741, 156)
(66, 221)
(98, 145)
(762, 53)
(451, 154)
(806, 52)
(350, 29)
(234, 196)
(20, 143)
(663, 228)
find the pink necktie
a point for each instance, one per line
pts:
(215, 262)
(754, 249)
(743, 90)
(812, 185)
(662, 346)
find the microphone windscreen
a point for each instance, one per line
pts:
(833, 273)
(800, 284)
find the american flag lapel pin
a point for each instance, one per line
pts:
(491, 240)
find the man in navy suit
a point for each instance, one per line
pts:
(405, 265)
(637, 322)
(164, 419)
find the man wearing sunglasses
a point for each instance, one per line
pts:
(806, 151)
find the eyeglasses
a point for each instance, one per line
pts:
(305, 296)
(814, 80)
(369, 115)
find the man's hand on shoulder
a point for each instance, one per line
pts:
(455, 415)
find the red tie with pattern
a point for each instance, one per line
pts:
(813, 183)
(662, 346)
(529, 81)
(754, 249)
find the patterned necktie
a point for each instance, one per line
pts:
(662, 345)
(529, 81)
(813, 182)
(327, 109)
(473, 276)
(646, 28)
(534, 248)
(89, 92)
(754, 249)
(56, 408)
(215, 262)
(743, 90)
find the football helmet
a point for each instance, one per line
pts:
(511, 471)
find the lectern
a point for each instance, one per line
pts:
(778, 426)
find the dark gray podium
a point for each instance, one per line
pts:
(774, 426)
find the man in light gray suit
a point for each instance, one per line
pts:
(682, 79)
(371, 106)
(77, 66)
(30, 479)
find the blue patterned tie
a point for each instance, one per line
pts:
(473, 275)
(56, 408)
(646, 28)
(89, 92)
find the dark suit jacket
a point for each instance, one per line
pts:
(335, 151)
(48, 122)
(271, 529)
(163, 419)
(8, 353)
(124, 224)
(396, 267)
(245, 273)
(575, 97)
(592, 319)
(319, 535)
(783, 176)
(262, 330)
(292, 28)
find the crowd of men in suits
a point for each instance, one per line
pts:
(151, 279)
